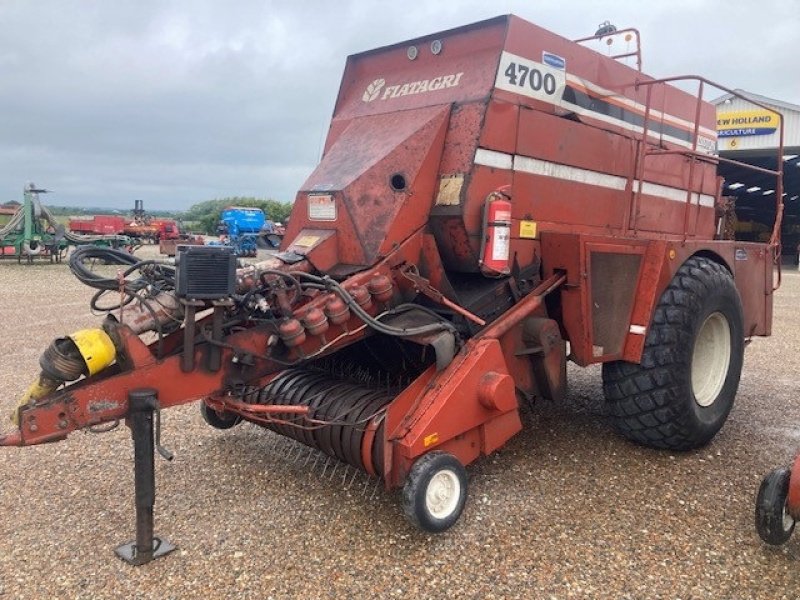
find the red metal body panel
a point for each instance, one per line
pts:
(358, 175)
(471, 51)
(793, 499)
(98, 224)
(661, 259)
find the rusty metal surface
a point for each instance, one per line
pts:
(793, 498)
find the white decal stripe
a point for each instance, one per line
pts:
(638, 329)
(567, 172)
(494, 159)
(535, 166)
(677, 194)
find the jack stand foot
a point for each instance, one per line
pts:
(141, 404)
(130, 554)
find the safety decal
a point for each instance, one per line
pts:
(321, 208)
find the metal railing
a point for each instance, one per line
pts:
(696, 155)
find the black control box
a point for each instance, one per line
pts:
(205, 272)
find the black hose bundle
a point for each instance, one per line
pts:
(153, 277)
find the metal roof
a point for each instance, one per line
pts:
(758, 98)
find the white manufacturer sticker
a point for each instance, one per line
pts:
(378, 90)
(321, 208)
(530, 78)
(500, 248)
(373, 90)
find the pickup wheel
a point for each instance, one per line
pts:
(773, 521)
(435, 492)
(681, 393)
(218, 420)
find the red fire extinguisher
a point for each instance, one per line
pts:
(496, 247)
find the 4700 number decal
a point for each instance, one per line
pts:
(530, 78)
(522, 75)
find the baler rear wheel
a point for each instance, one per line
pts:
(681, 393)
(218, 420)
(435, 492)
(773, 522)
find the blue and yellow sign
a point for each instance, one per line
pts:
(746, 122)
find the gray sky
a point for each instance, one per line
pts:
(176, 102)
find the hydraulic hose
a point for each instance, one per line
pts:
(335, 286)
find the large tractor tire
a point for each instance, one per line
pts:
(681, 393)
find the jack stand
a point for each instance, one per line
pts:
(142, 403)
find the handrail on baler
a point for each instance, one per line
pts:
(775, 237)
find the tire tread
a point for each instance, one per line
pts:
(643, 398)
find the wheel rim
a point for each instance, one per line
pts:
(711, 358)
(442, 494)
(788, 520)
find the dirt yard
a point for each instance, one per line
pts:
(565, 510)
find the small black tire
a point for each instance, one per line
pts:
(218, 420)
(681, 393)
(773, 523)
(435, 492)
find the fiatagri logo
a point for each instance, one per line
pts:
(374, 89)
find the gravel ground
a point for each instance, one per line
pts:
(565, 510)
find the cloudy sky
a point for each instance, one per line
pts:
(176, 102)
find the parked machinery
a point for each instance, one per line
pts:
(245, 228)
(485, 195)
(145, 228)
(33, 232)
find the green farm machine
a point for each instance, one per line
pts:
(33, 232)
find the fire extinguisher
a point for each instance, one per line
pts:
(496, 246)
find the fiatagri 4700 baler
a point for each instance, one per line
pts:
(486, 195)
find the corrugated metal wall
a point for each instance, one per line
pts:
(759, 142)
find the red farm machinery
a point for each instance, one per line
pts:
(492, 201)
(140, 226)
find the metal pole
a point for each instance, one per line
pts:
(27, 232)
(141, 404)
(187, 360)
(214, 351)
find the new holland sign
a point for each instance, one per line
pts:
(746, 122)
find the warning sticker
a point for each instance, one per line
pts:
(501, 246)
(321, 208)
(306, 241)
(527, 229)
(430, 440)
